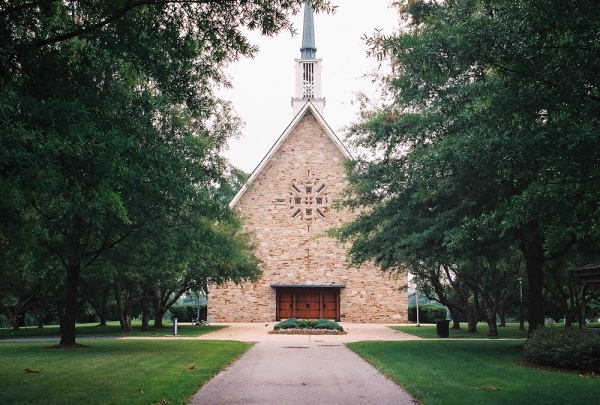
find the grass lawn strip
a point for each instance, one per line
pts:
(112, 372)
(111, 329)
(466, 372)
(510, 331)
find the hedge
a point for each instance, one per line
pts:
(185, 313)
(293, 323)
(561, 347)
(428, 313)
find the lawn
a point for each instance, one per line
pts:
(510, 331)
(111, 371)
(465, 372)
(111, 329)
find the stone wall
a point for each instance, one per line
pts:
(288, 206)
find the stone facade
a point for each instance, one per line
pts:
(288, 205)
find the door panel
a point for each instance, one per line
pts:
(330, 305)
(285, 304)
(308, 303)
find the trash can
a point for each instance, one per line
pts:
(443, 328)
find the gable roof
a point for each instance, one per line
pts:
(309, 106)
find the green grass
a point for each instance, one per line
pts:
(465, 372)
(511, 331)
(114, 372)
(111, 329)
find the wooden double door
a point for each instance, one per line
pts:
(308, 303)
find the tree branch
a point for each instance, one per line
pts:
(25, 6)
(118, 14)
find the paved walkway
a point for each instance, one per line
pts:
(259, 332)
(301, 370)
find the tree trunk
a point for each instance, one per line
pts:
(15, 323)
(102, 312)
(472, 320)
(159, 313)
(533, 252)
(125, 323)
(158, 319)
(70, 316)
(502, 316)
(14, 317)
(492, 326)
(60, 310)
(568, 321)
(145, 315)
(471, 324)
(455, 314)
(163, 301)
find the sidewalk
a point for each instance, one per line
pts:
(301, 369)
(259, 332)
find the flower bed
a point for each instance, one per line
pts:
(307, 332)
(294, 326)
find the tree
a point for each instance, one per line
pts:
(488, 132)
(108, 119)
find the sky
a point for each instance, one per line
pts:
(263, 86)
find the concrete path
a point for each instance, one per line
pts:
(301, 370)
(259, 332)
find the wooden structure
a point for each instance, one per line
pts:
(306, 301)
(588, 274)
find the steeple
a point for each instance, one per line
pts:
(308, 50)
(308, 67)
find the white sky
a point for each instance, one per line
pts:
(263, 86)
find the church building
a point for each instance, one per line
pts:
(287, 202)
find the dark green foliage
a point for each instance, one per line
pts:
(427, 313)
(561, 347)
(288, 323)
(110, 145)
(326, 324)
(184, 313)
(293, 323)
(487, 140)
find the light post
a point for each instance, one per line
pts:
(521, 319)
(198, 317)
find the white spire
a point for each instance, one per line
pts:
(308, 68)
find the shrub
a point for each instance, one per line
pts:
(560, 347)
(304, 324)
(428, 313)
(4, 321)
(326, 324)
(184, 313)
(293, 323)
(287, 324)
